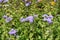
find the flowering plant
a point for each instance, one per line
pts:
(29, 20)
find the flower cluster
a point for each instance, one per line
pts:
(12, 32)
(47, 18)
(7, 19)
(4, 1)
(27, 3)
(29, 18)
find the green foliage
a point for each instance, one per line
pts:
(38, 30)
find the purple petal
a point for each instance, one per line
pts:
(4, 16)
(31, 20)
(30, 17)
(12, 31)
(28, 4)
(5, 1)
(49, 20)
(8, 19)
(22, 19)
(1, 1)
(50, 16)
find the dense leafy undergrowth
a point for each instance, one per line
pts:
(32, 26)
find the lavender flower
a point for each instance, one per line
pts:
(1, 1)
(5, 16)
(12, 32)
(5, 1)
(47, 18)
(27, 4)
(22, 19)
(8, 19)
(30, 19)
(50, 16)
